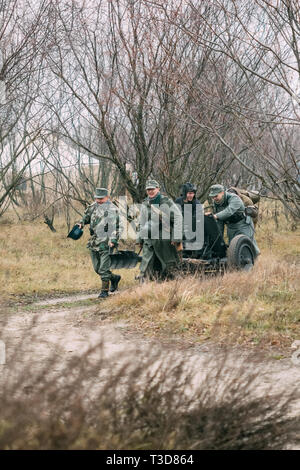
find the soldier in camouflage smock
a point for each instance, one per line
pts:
(105, 228)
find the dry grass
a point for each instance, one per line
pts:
(35, 261)
(263, 303)
(260, 306)
(154, 403)
(88, 404)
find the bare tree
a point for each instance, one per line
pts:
(183, 90)
(21, 39)
(123, 91)
(258, 48)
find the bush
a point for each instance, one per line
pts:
(89, 402)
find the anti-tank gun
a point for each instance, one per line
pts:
(215, 255)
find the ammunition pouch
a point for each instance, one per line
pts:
(254, 195)
(252, 211)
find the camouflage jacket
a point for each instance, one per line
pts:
(158, 220)
(105, 225)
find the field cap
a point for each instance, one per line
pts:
(100, 193)
(151, 184)
(215, 189)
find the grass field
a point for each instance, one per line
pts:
(257, 307)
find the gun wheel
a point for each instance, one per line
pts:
(241, 253)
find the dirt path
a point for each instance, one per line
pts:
(67, 327)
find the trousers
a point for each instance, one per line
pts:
(101, 263)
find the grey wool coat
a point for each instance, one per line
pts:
(231, 211)
(158, 253)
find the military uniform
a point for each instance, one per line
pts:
(160, 257)
(197, 216)
(231, 211)
(105, 227)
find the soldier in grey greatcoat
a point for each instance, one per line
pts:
(229, 209)
(105, 228)
(160, 234)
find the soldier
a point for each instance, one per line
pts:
(159, 215)
(105, 228)
(188, 195)
(229, 209)
(188, 199)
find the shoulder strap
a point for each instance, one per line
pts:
(226, 197)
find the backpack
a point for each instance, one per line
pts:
(250, 199)
(253, 195)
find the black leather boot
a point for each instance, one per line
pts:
(115, 279)
(103, 294)
(104, 291)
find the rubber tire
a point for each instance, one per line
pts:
(239, 247)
